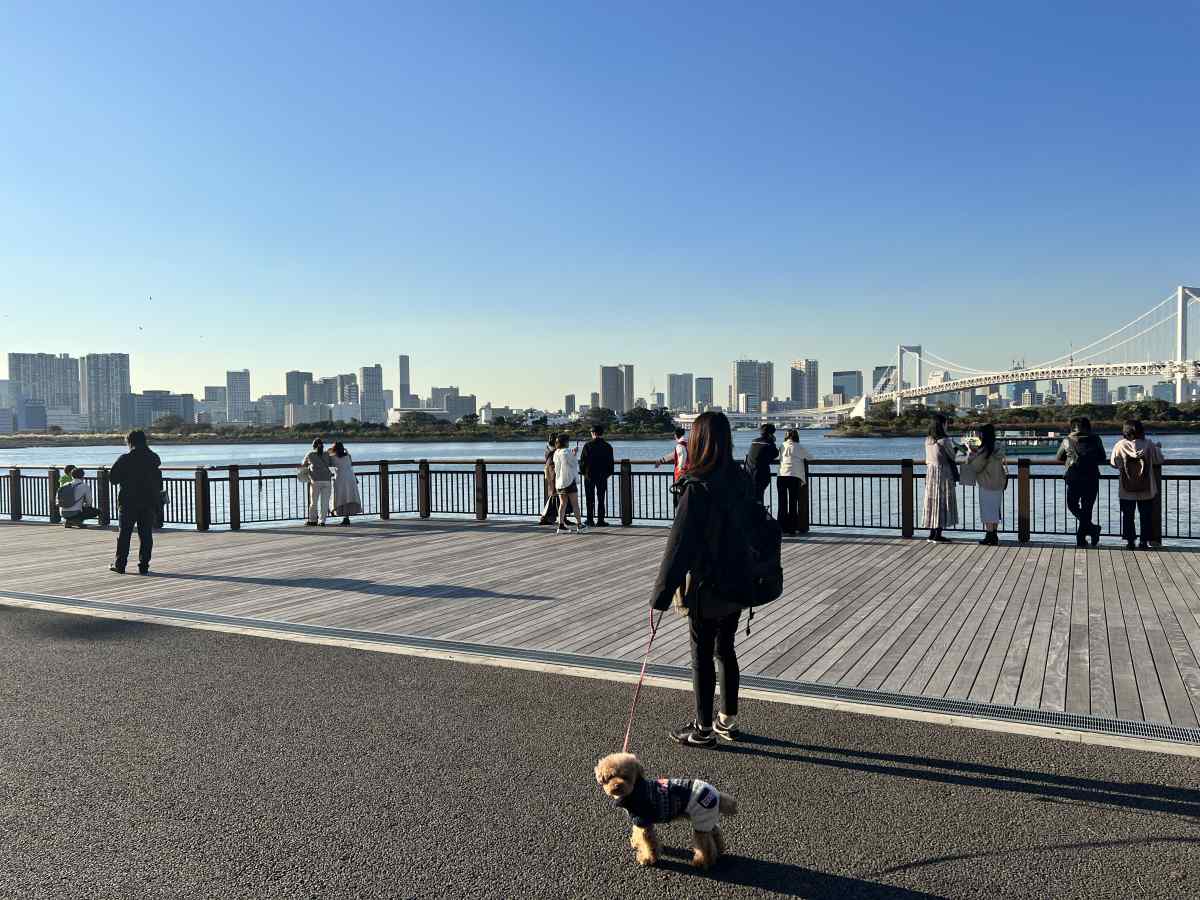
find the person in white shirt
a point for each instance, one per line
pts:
(566, 483)
(792, 474)
(77, 512)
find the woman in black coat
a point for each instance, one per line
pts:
(713, 485)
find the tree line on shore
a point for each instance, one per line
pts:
(882, 419)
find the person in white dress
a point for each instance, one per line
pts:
(990, 468)
(346, 501)
(941, 476)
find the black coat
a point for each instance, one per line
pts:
(139, 477)
(688, 550)
(1084, 455)
(596, 460)
(762, 453)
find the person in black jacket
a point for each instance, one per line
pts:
(713, 487)
(762, 453)
(139, 478)
(596, 467)
(1082, 453)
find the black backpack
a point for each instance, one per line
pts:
(66, 495)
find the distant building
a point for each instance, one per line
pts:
(461, 405)
(1137, 391)
(294, 386)
(1087, 390)
(237, 396)
(883, 379)
(214, 394)
(148, 407)
(569, 404)
(306, 414)
(33, 415)
(347, 388)
(104, 387)
(594, 400)
(396, 416)
(749, 377)
(805, 381)
(704, 394)
(1163, 390)
(612, 389)
(8, 420)
(322, 391)
(488, 414)
(627, 383)
(51, 379)
(848, 383)
(408, 400)
(657, 400)
(370, 395)
(681, 392)
(270, 409)
(389, 398)
(640, 403)
(345, 412)
(67, 421)
(438, 397)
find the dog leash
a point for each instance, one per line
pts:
(641, 678)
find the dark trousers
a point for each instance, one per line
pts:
(1081, 498)
(789, 503)
(143, 520)
(1145, 514)
(709, 637)
(597, 495)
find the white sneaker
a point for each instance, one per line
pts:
(726, 727)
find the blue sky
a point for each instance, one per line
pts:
(514, 193)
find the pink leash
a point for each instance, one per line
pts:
(641, 678)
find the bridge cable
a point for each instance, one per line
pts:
(1050, 363)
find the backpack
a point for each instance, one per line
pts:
(65, 495)
(1135, 475)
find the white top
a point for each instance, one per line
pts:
(83, 496)
(566, 469)
(791, 461)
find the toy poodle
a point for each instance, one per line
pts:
(651, 803)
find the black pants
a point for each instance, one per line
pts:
(1145, 514)
(709, 637)
(597, 496)
(1081, 498)
(789, 503)
(143, 519)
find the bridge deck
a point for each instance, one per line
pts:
(1106, 633)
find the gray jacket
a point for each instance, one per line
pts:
(318, 466)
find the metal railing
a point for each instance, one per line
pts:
(872, 494)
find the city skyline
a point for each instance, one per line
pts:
(982, 176)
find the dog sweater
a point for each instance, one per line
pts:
(656, 802)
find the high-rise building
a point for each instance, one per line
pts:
(270, 409)
(323, 391)
(680, 392)
(1017, 389)
(657, 400)
(54, 380)
(766, 380)
(439, 395)
(237, 395)
(1163, 390)
(389, 398)
(594, 400)
(704, 393)
(148, 407)
(883, 379)
(627, 382)
(295, 382)
(347, 388)
(612, 389)
(569, 405)
(1087, 390)
(805, 377)
(103, 389)
(408, 400)
(848, 383)
(370, 395)
(460, 405)
(215, 393)
(747, 379)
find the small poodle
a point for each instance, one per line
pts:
(650, 803)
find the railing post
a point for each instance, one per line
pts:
(907, 502)
(203, 508)
(481, 490)
(625, 491)
(1156, 515)
(52, 487)
(385, 497)
(424, 490)
(14, 494)
(104, 497)
(1023, 500)
(802, 524)
(235, 498)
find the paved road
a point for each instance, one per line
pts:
(146, 761)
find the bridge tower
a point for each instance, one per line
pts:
(901, 350)
(1181, 348)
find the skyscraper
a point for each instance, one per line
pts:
(704, 393)
(389, 398)
(104, 389)
(627, 381)
(612, 389)
(295, 382)
(595, 400)
(408, 400)
(54, 380)
(805, 377)
(1087, 390)
(883, 379)
(766, 381)
(680, 390)
(849, 384)
(237, 395)
(370, 395)
(347, 388)
(747, 380)
(569, 404)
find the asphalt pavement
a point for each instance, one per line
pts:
(140, 760)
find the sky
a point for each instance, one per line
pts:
(516, 193)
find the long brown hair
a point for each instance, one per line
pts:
(710, 447)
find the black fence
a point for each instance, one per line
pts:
(838, 494)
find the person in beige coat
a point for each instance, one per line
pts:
(1135, 457)
(990, 468)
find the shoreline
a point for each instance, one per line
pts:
(24, 442)
(1108, 431)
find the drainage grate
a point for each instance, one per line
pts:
(1023, 715)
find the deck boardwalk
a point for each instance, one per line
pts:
(1105, 633)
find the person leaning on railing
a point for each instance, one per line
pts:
(791, 476)
(320, 483)
(990, 470)
(1135, 457)
(1082, 454)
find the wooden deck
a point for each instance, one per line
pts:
(1104, 633)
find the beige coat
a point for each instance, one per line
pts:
(990, 471)
(1146, 449)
